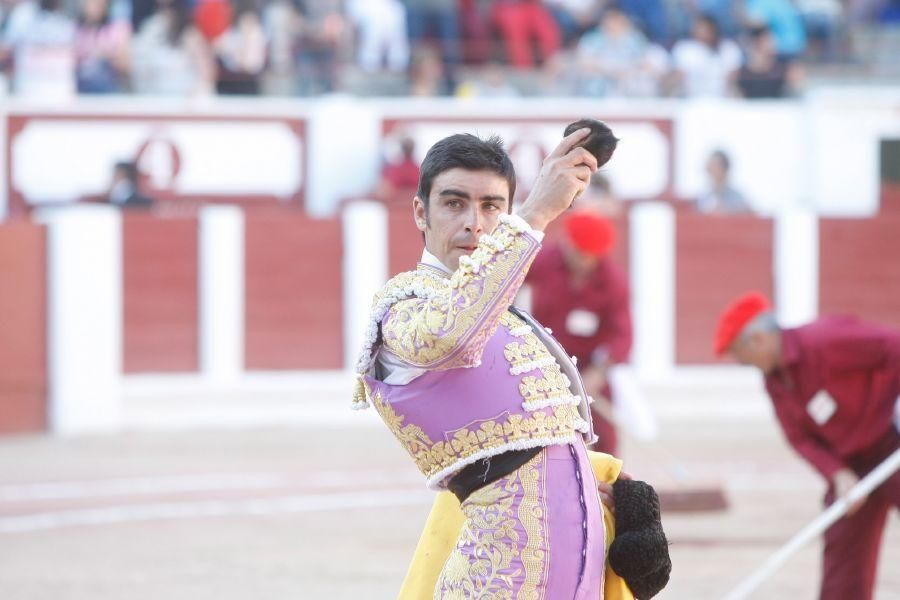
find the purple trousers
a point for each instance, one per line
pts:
(536, 533)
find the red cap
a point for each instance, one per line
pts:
(590, 233)
(736, 316)
(212, 17)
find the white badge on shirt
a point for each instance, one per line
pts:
(582, 323)
(821, 408)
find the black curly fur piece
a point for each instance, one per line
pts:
(600, 141)
(640, 552)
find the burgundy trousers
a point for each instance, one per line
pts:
(607, 439)
(850, 558)
(520, 23)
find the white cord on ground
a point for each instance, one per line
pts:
(837, 510)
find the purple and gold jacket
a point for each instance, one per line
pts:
(494, 379)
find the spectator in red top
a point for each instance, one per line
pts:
(582, 296)
(834, 384)
(522, 22)
(213, 17)
(400, 175)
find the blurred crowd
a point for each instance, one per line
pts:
(469, 48)
(399, 180)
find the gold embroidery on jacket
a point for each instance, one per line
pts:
(491, 558)
(552, 387)
(528, 350)
(449, 328)
(534, 518)
(479, 566)
(501, 431)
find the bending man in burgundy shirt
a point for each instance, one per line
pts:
(582, 296)
(834, 384)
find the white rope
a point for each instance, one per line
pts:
(837, 510)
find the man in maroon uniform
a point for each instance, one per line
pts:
(582, 296)
(834, 384)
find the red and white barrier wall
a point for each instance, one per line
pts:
(91, 295)
(253, 283)
(23, 323)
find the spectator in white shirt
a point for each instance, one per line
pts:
(615, 59)
(706, 64)
(381, 31)
(170, 55)
(40, 37)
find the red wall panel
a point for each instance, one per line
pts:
(294, 301)
(890, 198)
(160, 295)
(716, 259)
(404, 239)
(859, 268)
(23, 333)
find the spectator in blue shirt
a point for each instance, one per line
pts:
(783, 20)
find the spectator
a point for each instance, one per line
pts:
(615, 59)
(102, 50)
(574, 17)
(724, 12)
(522, 23)
(170, 55)
(822, 20)
(323, 35)
(124, 190)
(783, 20)
(440, 18)
(241, 52)
(212, 17)
(706, 64)
(426, 73)
(477, 38)
(558, 77)
(381, 34)
(399, 175)
(649, 16)
(6, 6)
(281, 23)
(721, 197)
(763, 75)
(40, 38)
(491, 82)
(141, 10)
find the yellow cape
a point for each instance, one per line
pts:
(446, 519)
